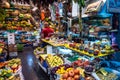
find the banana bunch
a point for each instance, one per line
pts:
(69, 69)
(62, 70)
(25, 24)
(54, 61)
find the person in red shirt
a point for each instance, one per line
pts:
(47, 31)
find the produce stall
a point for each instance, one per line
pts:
(11, 70)
(79, 41)
(17, 20)
(75, 63)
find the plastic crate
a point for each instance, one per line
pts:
(20, 47)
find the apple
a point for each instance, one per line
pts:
(76, 71)
(69, 78)
(71, 73)
(86, 63)
(76, 62)
(80, 61)
(81, 64)
(65, 75)
(70, 45)
(76, 77)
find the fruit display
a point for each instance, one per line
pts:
(54, 41)
(74, 45)
(61, 69)
(66, 72)
(106, 75)
(2, 14)
(14, 64)
(5, 74)
(73, 74)
(95, 49)
(8, 69)
(54, 60)
(15, 17)
(38, 50)
(80, 63)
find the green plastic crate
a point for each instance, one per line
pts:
(20, 47)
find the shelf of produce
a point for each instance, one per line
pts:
(11, 70)
(91, 55)
(52, 43)
(81, 52)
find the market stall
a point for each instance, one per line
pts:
(11, 70)
(81, 55)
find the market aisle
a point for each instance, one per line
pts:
(30, 70)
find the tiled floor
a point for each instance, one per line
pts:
(31, 71)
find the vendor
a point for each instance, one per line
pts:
(47, 31)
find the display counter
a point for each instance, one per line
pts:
(66, 45)
(68, 60)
